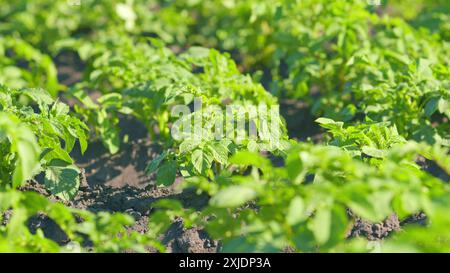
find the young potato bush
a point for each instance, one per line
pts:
(30, 144)
(147, 88)
(38, 69)
(51, 122)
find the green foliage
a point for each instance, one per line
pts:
(60, 21)
(146, 81)
(22, 65)
(432, 238)
(368, 140)
(63, 181)
(276, 207)
(341, 57)
(20, 151)
(24, 155)
(31, 142)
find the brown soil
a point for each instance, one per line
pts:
(374, 231)
(300, 123)
(70, 68)
(378, 231)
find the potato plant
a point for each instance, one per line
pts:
(164, 81)
(22, 65)
(31, 145)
